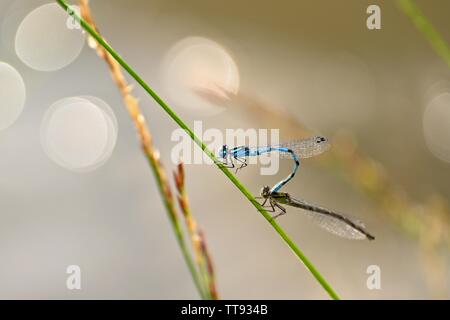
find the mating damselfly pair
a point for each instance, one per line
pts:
(332, 221)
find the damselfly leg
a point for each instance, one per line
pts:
(228, 162)
(241, 163)
(282, 209)
(273, 205)
(232, 162)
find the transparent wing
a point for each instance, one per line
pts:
(336, 223)
(305, 148)
(336, 226)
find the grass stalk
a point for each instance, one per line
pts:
(149, 150)
(198, 240)
(422, 24)
(316, 274)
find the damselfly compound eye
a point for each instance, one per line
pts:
(265, 191)
(223, 151)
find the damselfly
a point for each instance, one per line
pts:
(298, 149)
(334, 222)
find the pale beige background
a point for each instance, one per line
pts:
(111, 221)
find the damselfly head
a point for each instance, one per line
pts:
(223, 151)
(265, 192)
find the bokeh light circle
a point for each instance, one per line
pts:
(79, 133)
(46, 41)
(12, 95)
(436, 126)
(197, 63)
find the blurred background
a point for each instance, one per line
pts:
(304, 67)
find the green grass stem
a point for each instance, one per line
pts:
(422, 24)
(208, 152)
